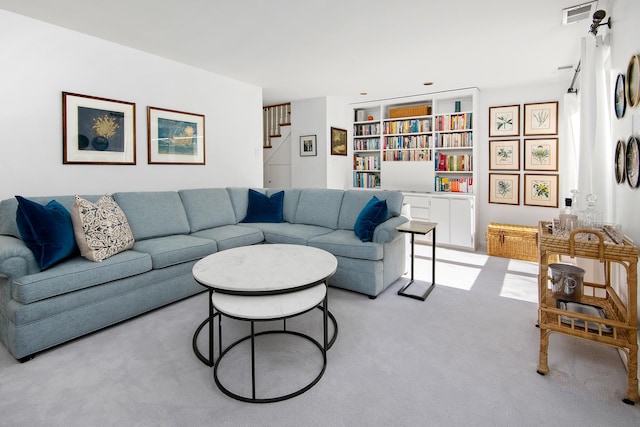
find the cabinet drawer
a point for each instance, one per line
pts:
(419, 213)
(418, 201)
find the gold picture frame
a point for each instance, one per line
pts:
(504, 188)
(175, 137)
(541, 190)
(541, 118)
(504, 155)
(338, 142)
(504, 121)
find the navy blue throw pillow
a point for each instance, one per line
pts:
(46, 230)
(263, 208)
(373, 214)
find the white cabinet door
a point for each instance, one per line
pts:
(462, 224)
(440, 214)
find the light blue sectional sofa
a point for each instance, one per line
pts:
(172, 231)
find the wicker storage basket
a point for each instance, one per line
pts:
(415, 110)
(513, 241)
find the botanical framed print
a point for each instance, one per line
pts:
(541, 154)
(504, 155)
(175, 137)
(338, 142)
(620, 161)
(504, 188)
(541, 118)
(308, 146)
(633, 81)
(632, 163)
(504, 121)
(541, 190)
(620, 97)
(98, 131)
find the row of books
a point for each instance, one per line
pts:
(453, 140)
(366, 163)
(366, 180)
(454, 163)
(366, 144)
(453, 122)
(453, 185)
(407, 126)
(408, 155)
(411, 141)
(366, 129)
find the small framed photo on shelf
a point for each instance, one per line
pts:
(541, 190)
(541, 154)
(98, 131)
(175, 137)
(504, 121)
(504, 188)
(338, 142)
(308, 146)
(504, 155)
(541, 118)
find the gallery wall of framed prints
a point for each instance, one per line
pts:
(529, 149)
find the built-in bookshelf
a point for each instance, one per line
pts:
(366, 149)
(417, 143)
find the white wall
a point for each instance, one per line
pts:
(338, 167)
(309, 117)
(512, 214)
(40, 61)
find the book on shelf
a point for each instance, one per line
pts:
(454, 163)
(366, 180)
(449, 122)
(453, 185)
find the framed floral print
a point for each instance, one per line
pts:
(98, 131)
(175, 137)
(504, 188)
(541, 154)
(541, 118)
(541, 190)
(504, 121)
(504, 155)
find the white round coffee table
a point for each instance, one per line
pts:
(264, 283)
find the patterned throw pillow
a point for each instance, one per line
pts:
(101, 228)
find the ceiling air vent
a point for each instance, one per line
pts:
(578, 13)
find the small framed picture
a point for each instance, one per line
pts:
(308, 146)
(632, 163)
(504, 188)
(541, 190)
(541, 154)
(504, 121)
(504, 155)
(98, 131)
(541, 118)
(633, 81)
(620, 161)
(338, 142)
(175, 137)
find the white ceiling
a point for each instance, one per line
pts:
(297, 49)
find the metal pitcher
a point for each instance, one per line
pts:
(566, 280)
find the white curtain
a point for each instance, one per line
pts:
(594, 149)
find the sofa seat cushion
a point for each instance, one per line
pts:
(171, 250)
(297, 234)
(232, 236)
(346, 244)
(78, 273)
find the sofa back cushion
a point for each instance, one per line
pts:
(9, 208)
(319, 206)
(290, 204)
(355, 200)
(207, 208)
(153, 213)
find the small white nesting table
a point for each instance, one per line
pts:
(264, 283)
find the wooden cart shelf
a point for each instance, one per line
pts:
(619, 327)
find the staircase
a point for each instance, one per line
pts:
(273, 118)
(277, 146)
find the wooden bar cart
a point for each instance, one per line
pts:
(619, 326)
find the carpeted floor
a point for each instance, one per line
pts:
(467, 356)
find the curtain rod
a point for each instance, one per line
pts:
(573, 81)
